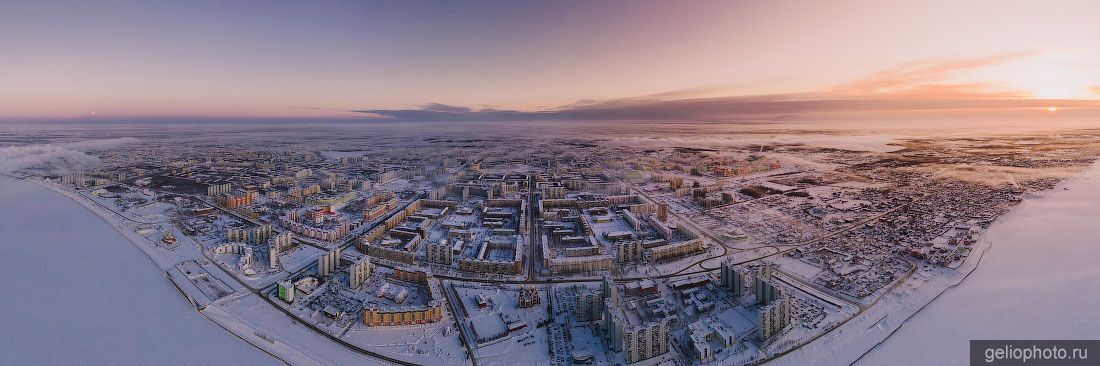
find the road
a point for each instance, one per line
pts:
(534, 250)
(533, 255)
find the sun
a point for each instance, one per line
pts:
(1052, 109)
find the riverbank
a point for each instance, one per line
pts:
(242, 313)
(283, 352)
(81, 295)
(858, 341)
(1036, 282)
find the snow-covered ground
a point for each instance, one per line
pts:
(80, 293)
(1037, 281)
(1036, 264)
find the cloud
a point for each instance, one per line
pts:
(99, 144)
(56, 159)
(47, 159)
(916, 86)
(921, 78)
(437, 107)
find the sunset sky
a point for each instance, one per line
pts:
(503, 60)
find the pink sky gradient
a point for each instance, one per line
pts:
(318, 59)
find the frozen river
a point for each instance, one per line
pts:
(78, 293)
(1038, 281)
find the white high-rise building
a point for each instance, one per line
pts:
(774, 317)
(279, 244)
(328, 263)
(360, 271)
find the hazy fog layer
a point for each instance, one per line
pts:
(871, 134)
